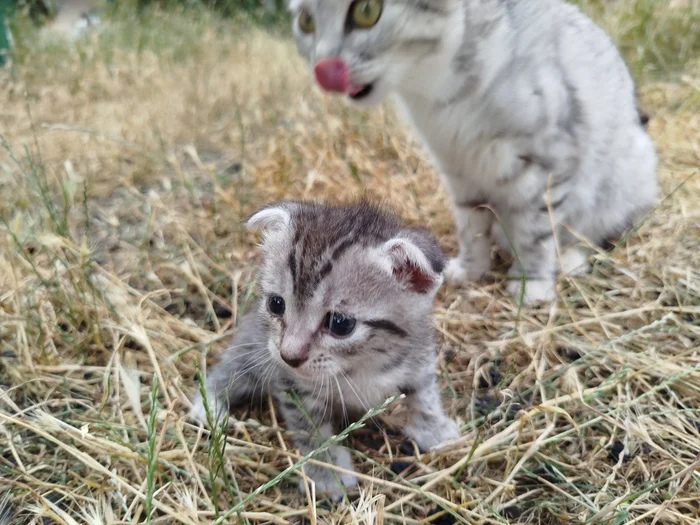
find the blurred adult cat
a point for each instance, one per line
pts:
(526, 107)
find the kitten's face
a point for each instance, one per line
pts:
(367, 48)
(333, 303)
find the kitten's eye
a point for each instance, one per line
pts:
(339, 324)
(306, 22)
(276, 305)
(366, 13)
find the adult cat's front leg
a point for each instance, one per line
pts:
(532, 276)
(540, 203)
(473, 221)
(310, 431)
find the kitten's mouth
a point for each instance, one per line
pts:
(362, 92)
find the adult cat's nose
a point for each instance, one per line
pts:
(332, 74)
(294, 362)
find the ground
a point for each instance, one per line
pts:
(129, 161)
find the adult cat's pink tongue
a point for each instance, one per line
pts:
(332, 75)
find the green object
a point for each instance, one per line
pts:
(5, 38)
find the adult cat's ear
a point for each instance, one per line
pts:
(416, 260)
(272, 218)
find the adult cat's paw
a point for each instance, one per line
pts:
(459, 271)
(574, 262)
(535, 290)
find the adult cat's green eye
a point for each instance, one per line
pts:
(366, 13)
(306, 22)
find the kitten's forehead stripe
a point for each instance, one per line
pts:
(388, 326)
(292, 262)
(342, 247)
(327, 268)
(324, 233)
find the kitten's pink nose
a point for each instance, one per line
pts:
(332, 74)
(294, 362)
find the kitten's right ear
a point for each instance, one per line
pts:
(274, 217)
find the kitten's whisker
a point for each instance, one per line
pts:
(268, 367)
(320, 391)
(249, 367)
(357, 395)
(253, 343)
(269, 376)
(342, 402)
(239, 355)
(323, 414)
(362, 400)
(240, 374)
(326, 398)
(266, 381)
(258, 365)
(237, 361)
(332, 395)
(315, 385)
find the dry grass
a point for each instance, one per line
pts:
(127, 166)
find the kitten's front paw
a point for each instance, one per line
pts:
(198, 413)
(459, 271)
(328, 482)
(429, 436)
(536, 290)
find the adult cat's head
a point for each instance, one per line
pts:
(367, 48)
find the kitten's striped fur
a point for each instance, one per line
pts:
(513, 99)
(361, 261)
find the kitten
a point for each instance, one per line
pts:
(526, 107)
(344, 323)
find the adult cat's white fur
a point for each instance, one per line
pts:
(527, 110)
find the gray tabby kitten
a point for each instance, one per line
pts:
(344, 323)
(526, 106)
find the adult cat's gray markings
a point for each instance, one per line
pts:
(505, 94)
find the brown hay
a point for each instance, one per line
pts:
(587, 411)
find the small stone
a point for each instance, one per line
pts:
(222, 311)
(570, 354)
(408, 448)
(512, 513)
(233, 168)
(615, 450)
(494, 377)
(397, 467)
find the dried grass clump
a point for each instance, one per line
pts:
(127, 165)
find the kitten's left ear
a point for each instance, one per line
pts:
(416, 260)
